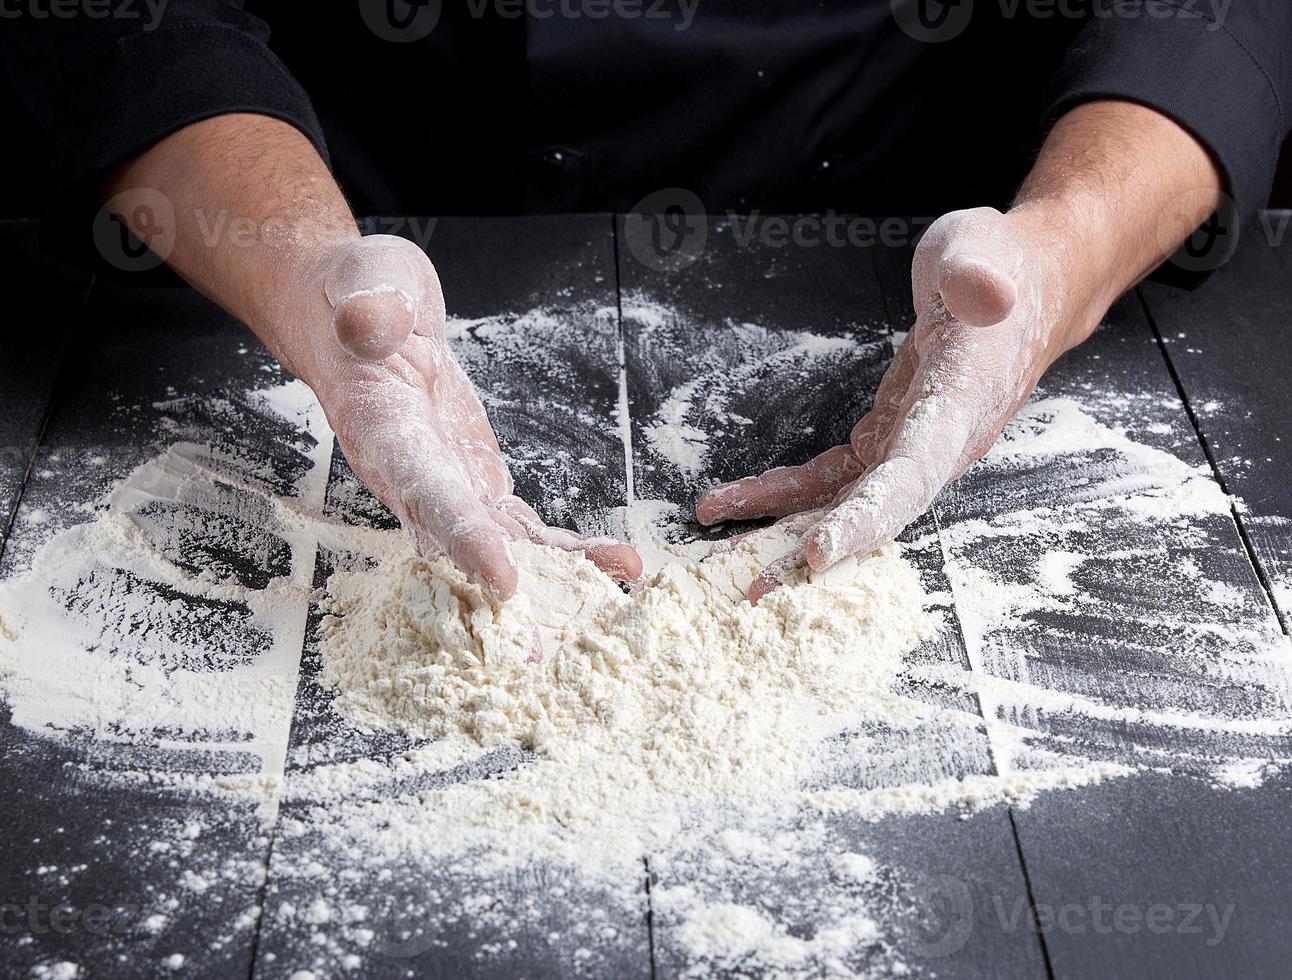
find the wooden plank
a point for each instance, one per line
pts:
(514, 287)
(726, 357)
(113, 827)
(1230, 346)
(1152, 842)
(1165, 875)
(763, 355)
(1141, 648)
(33, 353)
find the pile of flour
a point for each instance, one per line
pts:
(679, 691)
(579, 729)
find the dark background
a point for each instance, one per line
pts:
(25, 187)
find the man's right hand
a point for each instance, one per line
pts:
(408, 419)
(360, 320)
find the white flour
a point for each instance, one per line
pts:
(115, 631)
(680, 430)
(683, 445)
(635, 705)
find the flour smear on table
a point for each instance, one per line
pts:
(587, 730)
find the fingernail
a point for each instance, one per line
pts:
(378, 290)
(822, 550)
(717, 505)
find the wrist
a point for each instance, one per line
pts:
(255, 218)
(1116, 188)
(1074, 247)
(288, 308)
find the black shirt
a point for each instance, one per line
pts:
(509, 106)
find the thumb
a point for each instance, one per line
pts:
(380, 289)
(975, 289)
(971, 259)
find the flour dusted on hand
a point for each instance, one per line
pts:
(681, 687)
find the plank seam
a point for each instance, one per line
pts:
(7, 531)
(1248, 545)
(625, 419)
(995, 764)
(1031, 896)
(625, 423)
(650, 918)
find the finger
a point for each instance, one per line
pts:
(510, 526)
(379, 290)
(373, 324)
(927, 448)
(874, 429)
(618, 560)
(806, 518)
(536, 529)
(780, 491)
(977, 289)
(774, 576)
(480, 549)
(526, 515)
(881, 505)
(448, 520)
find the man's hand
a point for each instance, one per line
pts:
(409, 421)
(987, 326)
(360, 320)
(997, 299)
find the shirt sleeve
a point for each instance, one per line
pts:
(105, 88)
(1222, 69)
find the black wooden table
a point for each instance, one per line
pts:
(90, 881)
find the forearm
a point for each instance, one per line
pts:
(1116, 189)
(256, 218)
